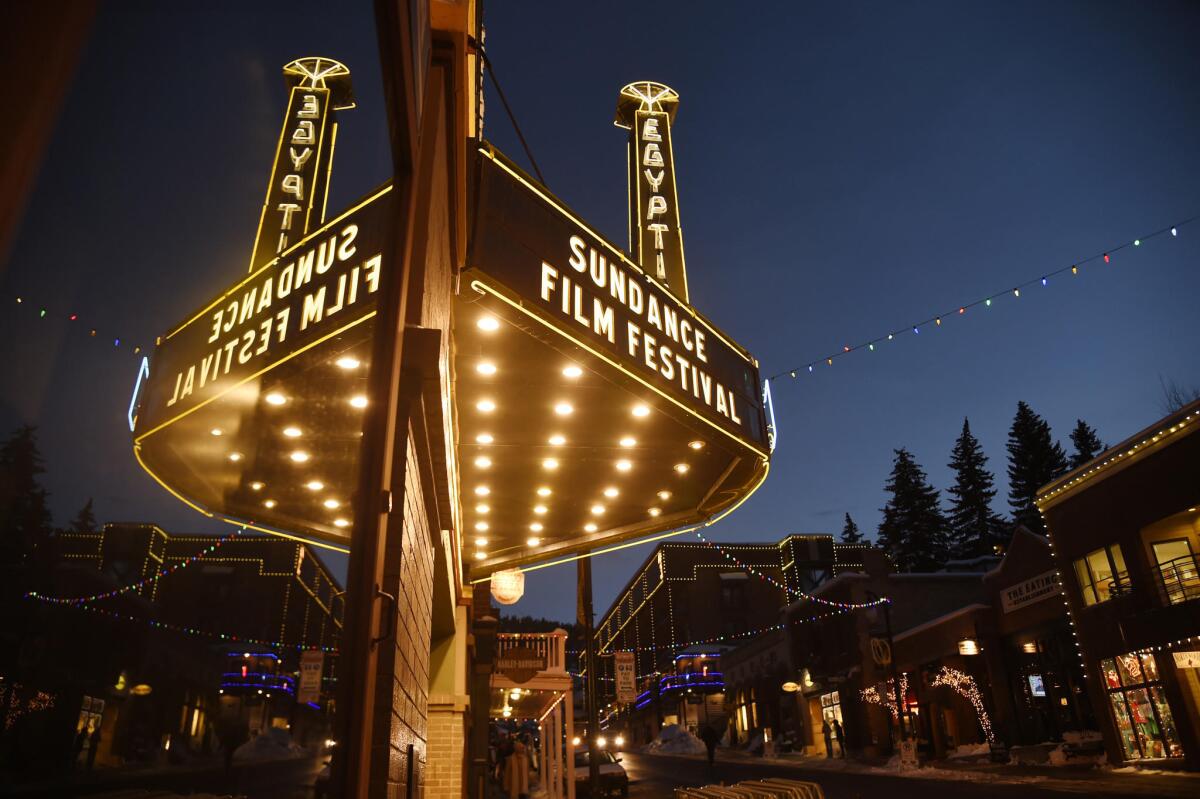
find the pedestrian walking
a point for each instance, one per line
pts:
(516, 776)
(827, 733)
(93, 746)
(840, 737)
(77, 746)
(710, 738)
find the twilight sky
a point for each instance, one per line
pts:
(844, 170)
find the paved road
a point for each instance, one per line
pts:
(656, 775)
(290, 779)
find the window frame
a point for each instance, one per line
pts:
(1119, 582)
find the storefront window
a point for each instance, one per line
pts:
(831, 707)
(1143, 717)
(1101, 575)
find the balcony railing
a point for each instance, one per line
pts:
(1179, 579)
(551, 646)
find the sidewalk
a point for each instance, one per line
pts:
(1129, 780)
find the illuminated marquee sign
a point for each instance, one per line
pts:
(647, 110)
(323, 284)
(530, 250)
(300, 176)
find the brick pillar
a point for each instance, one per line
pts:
(447, 738)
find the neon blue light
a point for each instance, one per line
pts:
(143, 373)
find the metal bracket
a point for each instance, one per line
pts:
(389, 619)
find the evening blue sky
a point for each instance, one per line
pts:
(844, 170)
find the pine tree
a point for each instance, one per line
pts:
(974, 527)
(850, 533)
(85, 520)
(24, 516)
(913, 531)
(1034, 459)
(1087, 443)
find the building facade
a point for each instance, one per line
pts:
(1126, 534)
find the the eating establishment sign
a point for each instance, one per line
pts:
(578, 283)
(325, 283)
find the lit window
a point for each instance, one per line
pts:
(1102, 575)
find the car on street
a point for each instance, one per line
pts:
(613, 779)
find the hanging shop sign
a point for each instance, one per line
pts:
(881, 651)
(626, 678)
(1035, 589)
(308, 688)
(1187, 660)
(533, 252)
(520, 664)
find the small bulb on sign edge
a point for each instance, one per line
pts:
(628, 441)
(557, 440)
(641, 410)
(358, 402)
(332, 504)
(611, 492)
(540, 510)
(275, 398)
(682, 468)
(482, 491)
(572, 371)
(485, 406)
(597, 509)
(624, 465)
(532, 541)
(257, 485)
(483, 462)
(299, 456)
(488, 323)
(341, 522)
(484, 438)
(270, 503)
(314, 485)
(216, 431)
(348, 362)
(696, 445)
(655, 511)
(563, 409)
(292, 432)
(536, 527)
(481, 527)
(550, 464)
(481, 541)
(481, 508)
(544, 492)
(485, 368)
(664, 495)
(589, 528)
(480, 555)
(235, 456)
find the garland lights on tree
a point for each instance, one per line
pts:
(937, 320)
(964, 685)
(83, 600)
(886, 698)
(791, 591)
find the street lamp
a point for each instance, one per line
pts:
(887, 622)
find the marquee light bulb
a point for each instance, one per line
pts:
(275, 398)
(257, 485)
(314, 485)
(557, 440)
(484, 438)
(341, 522)
(563, 408)
(611, 492)
(488, 323)
(270, 503)
(624, 465)
(358, 402)
(641, 410)
(544, 492)
(589, 528)
(485, 406)
(533, 541)
(481, 527)
(572, 371)
(482, 491)
(481, 508)
(216, 431)
(664, 495)
(550, 464)
(348, 362)
(292, 432)
(682, 468)
(655, 511)
(536, 527)
(481, 541)
(597, 509)
(628, 441)
(299, 456)
(696, 445)
(540, 510)
(483, 462)
(480, 555)
(235, 456)
(485, 368)
(332, 504)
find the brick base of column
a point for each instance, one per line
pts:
(446, 748)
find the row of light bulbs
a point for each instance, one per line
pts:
(277, 399)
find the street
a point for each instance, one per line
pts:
(285, 779)
(656, 775)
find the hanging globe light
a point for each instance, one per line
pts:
(508, 586)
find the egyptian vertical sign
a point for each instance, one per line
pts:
(299, 184)
(647, 110)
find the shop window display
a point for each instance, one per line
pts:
(1143, 717)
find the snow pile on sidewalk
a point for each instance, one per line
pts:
(271, 745)
(970, 750)
(675, 740)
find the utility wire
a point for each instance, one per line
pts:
(511, 117)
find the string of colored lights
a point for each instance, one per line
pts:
(42, 313)
(964, 685)
(81, 600)
(178, 628)
(791, 591)
(937, 320)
